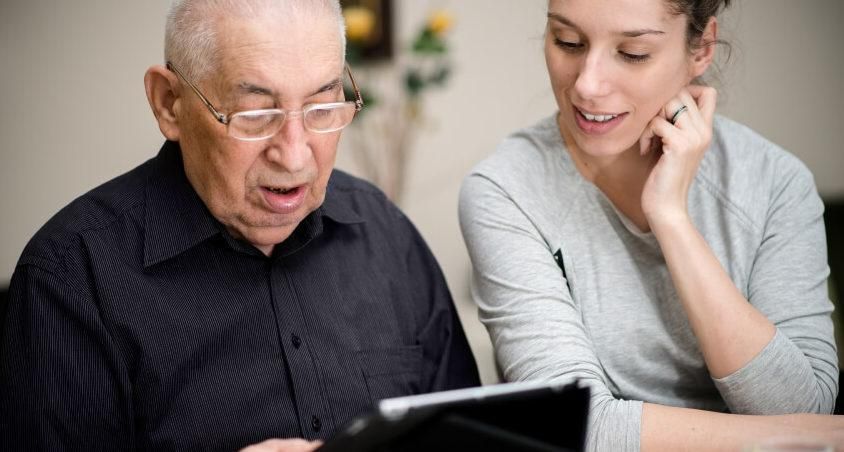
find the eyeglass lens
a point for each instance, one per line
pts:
(317, 118)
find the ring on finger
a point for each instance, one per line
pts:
(677, 114)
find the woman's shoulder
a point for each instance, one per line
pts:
(529, 170)
(737, 147)
(531, 156)
(749, 171)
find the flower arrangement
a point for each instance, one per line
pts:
(430, 46)
(393, 92)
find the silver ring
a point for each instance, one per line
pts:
(676, 114)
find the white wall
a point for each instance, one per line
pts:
(73, 112)
(787, 79)
(499, 85)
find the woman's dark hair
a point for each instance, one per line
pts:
(698, 13)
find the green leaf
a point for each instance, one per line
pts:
(428, 43)
(440, 76)
(414, 83)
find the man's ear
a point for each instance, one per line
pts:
(160, 85)
(703, 55)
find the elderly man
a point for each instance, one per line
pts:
(234, 288)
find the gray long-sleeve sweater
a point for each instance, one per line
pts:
(611, 315)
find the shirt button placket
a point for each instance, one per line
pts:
(298, 353)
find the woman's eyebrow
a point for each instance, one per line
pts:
(627, 33)
(561, 19)
(641, 32)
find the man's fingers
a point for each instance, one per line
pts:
(283, 445)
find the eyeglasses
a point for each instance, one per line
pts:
(256, 125)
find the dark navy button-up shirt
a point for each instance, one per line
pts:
(135, 321)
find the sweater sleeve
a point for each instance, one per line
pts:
(535, 327)
(797, 371)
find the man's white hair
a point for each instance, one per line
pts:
(190, 37)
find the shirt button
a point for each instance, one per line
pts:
(297, 342)
(316, 424)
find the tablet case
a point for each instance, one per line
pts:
(512, 417)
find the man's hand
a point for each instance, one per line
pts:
(283, 445)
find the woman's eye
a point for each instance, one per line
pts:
(634, 57)
(568, 46)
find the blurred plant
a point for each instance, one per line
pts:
(382, 133)
(430, 47)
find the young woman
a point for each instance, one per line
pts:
(672, 259)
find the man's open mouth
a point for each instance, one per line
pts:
(281, 191)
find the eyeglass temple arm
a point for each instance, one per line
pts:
(358, 98)
(221, 117)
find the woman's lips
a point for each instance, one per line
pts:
(284, 200)
(599, 123)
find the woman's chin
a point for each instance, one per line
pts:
(605, 147)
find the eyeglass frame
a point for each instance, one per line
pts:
(225, 119)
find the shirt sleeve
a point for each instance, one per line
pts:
(448, 360)
(536, 328)
(797, 371)
(62, 383)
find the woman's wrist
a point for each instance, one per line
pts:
(668, 221)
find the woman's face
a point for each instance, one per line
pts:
(613, 65)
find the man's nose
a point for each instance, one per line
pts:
(593, 79)
(289, 147)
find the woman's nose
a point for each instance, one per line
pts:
(593, 80)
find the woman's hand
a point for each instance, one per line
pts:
(665, 195)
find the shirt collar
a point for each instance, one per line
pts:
(177, 219)
(337, 204)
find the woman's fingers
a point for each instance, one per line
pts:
(646, 141)
(674, 109)
(706, 98)
(673, 139)
(685, 122)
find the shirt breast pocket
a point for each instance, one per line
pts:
(392, 372)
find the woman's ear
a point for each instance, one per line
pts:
(160, 84)
(703, 55)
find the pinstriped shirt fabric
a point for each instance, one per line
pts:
(136, 322)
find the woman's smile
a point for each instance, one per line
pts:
(597, 123)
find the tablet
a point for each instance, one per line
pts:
(526, 416)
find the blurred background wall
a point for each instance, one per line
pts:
(73, 113)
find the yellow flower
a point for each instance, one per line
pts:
(440, 21)
(360, 22)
